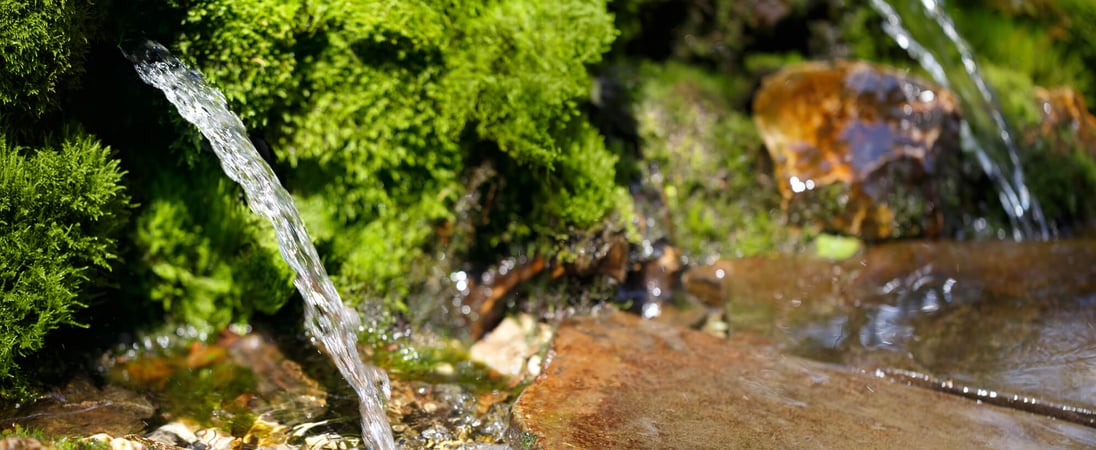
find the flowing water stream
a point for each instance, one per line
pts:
(326, 317)
(927, 33)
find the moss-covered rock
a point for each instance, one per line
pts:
(709, 163)
(1059, 157)
(376, 113)
(61, 208)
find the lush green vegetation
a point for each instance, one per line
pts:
(376, 114)
(61, 208)
(376, 108)
(42, 46)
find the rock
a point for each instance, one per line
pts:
(860, 149)
(427, 416)
(174, 433)
(280, 381)
(214, 439)
(997, 315)
(1065, 120)
(81, 409)
(20, 443)
(508, 348)
(131, 442)
(621, 382)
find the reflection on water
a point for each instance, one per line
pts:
(1016, 317)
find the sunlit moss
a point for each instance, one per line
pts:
(62, 207)
(1048, 43)
(42, 46)
(710, 159)
(205, 256)
(374, 109)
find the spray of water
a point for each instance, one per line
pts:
(326, 317)
(927, 33)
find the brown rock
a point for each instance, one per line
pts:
(620, 382)
(1065, 122)
(279, 381)
(859, 149)
(82, 409)
(997, 315)
(20, 443)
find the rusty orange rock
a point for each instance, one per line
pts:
(1063, 110)
(860, 149)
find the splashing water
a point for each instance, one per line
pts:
(326, 317)
(921, 27)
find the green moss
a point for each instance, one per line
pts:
(528, 440)
(440, 363)
(1048, 45)
(711, 163)
(207, 258)
(376, 108)
(1062, 176)
(836, 247)
(61, 207)
(42, 46)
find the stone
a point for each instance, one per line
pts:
(860, 149)
(510, 347)
(617, 381)
(173, 433)
(280, 381)
(82, 409)
(20, 443)
(1065, 120)
(214, 439)
(1011, 317)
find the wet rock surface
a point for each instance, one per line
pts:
(184, 391)
(1006, 316)
(860, 149)
(81, 408)
(620, 382)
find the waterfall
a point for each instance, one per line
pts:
(326, 317)
(927, 33)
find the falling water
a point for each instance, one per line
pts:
(922, 27)
(326, 317)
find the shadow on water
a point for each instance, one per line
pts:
(1006, 316)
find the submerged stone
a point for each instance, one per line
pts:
(621, 382)
(860, 149)
(81, 408)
